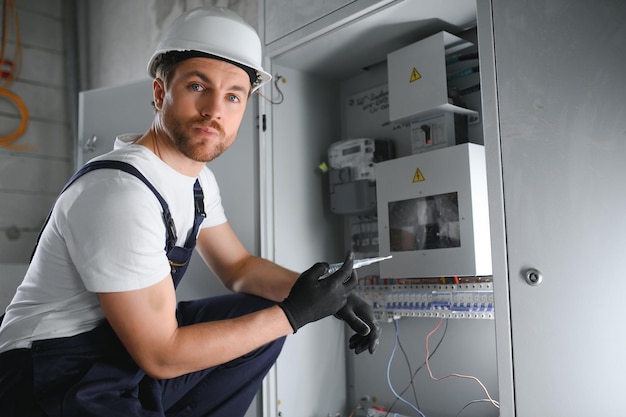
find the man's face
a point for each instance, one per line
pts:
(202, 106)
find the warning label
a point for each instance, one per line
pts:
(418, 176)
(415, 75)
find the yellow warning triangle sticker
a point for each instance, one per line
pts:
(415, 75)
(418, 176)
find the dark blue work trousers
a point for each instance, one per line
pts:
(92, 374)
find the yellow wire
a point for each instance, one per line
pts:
(7, 141)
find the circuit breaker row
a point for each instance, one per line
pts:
(454, 301)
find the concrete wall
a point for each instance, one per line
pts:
(30, 179)
(122, 34)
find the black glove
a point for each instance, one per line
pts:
(311, 298)
(360, 317)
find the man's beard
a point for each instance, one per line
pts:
(196, 150)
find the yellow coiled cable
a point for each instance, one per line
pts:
(16, 67)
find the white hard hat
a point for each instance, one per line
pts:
(214, 31)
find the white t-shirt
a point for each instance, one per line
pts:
(105, 234)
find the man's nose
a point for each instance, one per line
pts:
(211, 106)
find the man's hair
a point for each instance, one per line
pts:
(167, 62)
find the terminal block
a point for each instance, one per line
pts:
(391, 301)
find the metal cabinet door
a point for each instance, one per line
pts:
(104, 113)
(287, 23)
(284, 17)
(562, 127)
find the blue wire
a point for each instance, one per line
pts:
(393, 352)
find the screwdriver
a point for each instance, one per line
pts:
(357, 263)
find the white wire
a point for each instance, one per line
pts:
(393, 352)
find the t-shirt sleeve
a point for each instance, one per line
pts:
(116, 236)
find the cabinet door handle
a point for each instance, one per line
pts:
(89, 145)
(533, 277)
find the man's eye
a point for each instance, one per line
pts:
(196, 87)
(233, 98)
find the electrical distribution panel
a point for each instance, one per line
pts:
(399, 298)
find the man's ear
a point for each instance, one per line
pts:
(158, 93)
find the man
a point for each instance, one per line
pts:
(94, 329)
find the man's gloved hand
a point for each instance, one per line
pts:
(360, 317)
(311, 299)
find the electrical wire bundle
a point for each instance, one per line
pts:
(426, 363)
(281, 96)
(9, 71)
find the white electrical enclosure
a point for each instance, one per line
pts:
(418, 77)
(433, 214)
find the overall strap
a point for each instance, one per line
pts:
(178, 256)
(170, 239)
(199, 214)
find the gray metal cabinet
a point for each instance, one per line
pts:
(298, 228)
(104, 113)
(555, 132)
(288, 22)
(286, 16)
(554, 122)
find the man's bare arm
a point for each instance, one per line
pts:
(145, 322)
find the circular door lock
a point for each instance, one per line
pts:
(533, 277)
